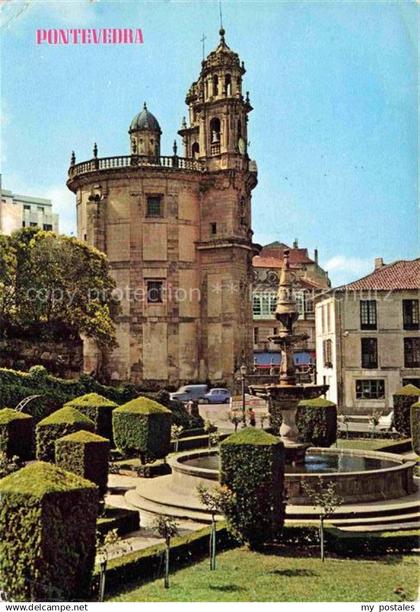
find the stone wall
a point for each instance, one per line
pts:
(64, 359)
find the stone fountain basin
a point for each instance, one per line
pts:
(392, 481)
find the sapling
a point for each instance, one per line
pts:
(176, 431)
(167, 528)
(215, 501)
(111, 543)
(327, 499)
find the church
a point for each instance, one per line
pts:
(177, 233)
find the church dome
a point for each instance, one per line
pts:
(145, 121)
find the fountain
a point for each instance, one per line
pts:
(284, 397)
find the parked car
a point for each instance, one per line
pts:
(189, 392)
(217, 396)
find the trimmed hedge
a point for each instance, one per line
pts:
(252, 467)
(147, 564)
(415, 427)
(123, 520)
(16, 433)
(99, 410)
(86, 454)
(316, 420)
(60, 423)
(404, 398)
(47, 534)
(143, 427)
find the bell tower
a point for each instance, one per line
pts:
(218, 112)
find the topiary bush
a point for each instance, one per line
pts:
(142, 427)
(415, 427)
(16, 433)
(316, 420)
(47, 534)
(252, 467)
(99, 410)
(404, 398)
(86, 454)
(60, 423)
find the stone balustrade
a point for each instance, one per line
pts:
(172, 162)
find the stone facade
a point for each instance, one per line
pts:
(368, 338)
(177, 232)
(309, 279)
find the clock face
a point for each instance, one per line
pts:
(241, 146)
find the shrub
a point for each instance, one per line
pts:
(60, 423)
(47, 534)
(16, 433)
(142, 427)
(252, 467)
(99, 410)
(86, 454)
(415, 427)
(316, 420)
(404, 398)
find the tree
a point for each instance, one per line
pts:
(327, 499)
(217, 500)
(167, 528)
(54, 286)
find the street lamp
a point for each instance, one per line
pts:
(243, 371)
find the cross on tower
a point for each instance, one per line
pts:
(203, 41)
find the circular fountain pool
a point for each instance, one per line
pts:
(359, 476)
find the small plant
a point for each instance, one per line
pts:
(176, 431)
(327, 499)
(167, 528)
(214, 438)
(8, 465)
(215, 501)
(374, 421)
(111, 543)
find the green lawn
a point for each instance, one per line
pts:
(242, 575)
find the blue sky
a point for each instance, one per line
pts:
(333, 131)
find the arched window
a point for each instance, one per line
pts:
(215, 85)
(195, 150)
(215, 130)
(228, 85)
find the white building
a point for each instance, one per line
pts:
(17, 211)
(368, 338)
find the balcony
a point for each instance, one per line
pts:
(171, 162)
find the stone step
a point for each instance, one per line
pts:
(138, 501)
(394, 518)
(381, 527)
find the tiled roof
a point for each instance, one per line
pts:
(296, 255)
(260, 261)
(403, 274)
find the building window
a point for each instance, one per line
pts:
(195, 150)
(309, 302)
(327, 353)
(215, 85)
(411, 314)
(40, 209)
(300, 303)
(47, 227)
(154, 292)
(26, 207)
(215, 136)
(370, 389)
(412, 352)
(369, 353)
(23, 223)
(33, 224)
(213, 228)
(368, 316)
(411, 381)
(264, 305)
(154, 206)
(256, 335)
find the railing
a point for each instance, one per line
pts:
(129, 161)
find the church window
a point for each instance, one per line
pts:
(195, 150)
(215, 130)
(228, 85)
(154, 292)
(213, 228)
(154, 206)
(215, 85)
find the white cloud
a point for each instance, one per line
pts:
(344, 269)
